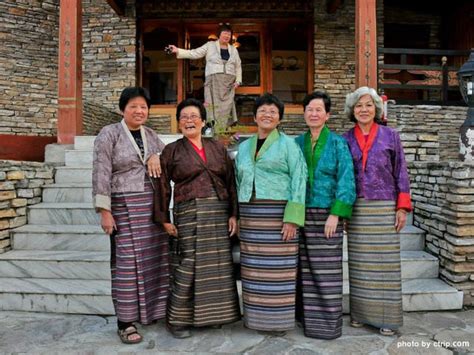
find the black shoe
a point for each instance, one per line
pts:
(179, 332)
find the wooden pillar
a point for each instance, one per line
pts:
(366, 43)
(70, 71)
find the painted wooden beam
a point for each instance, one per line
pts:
(70, 71)
(366, 43)
(118, 6)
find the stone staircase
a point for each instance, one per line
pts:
(60, 259)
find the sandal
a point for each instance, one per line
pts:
(356, 324)
(387, 331)
(125, 334)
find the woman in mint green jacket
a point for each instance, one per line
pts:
(271, 183)
(329, 197)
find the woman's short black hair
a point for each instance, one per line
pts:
(269, 99)
(132, 92)
(191, 102)
(224, 27)
(318, 94)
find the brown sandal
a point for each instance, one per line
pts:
(124, 335)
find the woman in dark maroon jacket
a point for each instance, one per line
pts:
(203, 289)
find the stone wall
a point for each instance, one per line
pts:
(20, 186)
(428, 133)
(109, 53)
(28, 67)
(29, 63)
(96, 116)
(443, 196)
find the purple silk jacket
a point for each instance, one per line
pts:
(386, 175)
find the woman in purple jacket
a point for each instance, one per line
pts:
(383, 201)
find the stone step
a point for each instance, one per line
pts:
(60, 237)
(56, 296)
(46, 264)
(63, 213)
(421, 295)
(412, 238)
(84, 142)
(67, 192)
(67, 174)
(78, 158)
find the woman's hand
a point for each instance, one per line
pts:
(171, 229)
(400, 219)
(331, 226)
(173, 48)
(107, 222)
(232, 226)
(288, 231)
(154, 166)
(236, 85)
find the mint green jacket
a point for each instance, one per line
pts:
(279, 173)
(331, 182)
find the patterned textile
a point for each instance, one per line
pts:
(320, 277)
(139, 259)
(203, 288)
(268, 267)
(374, 265)
(219, 93)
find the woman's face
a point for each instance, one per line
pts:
(364, 110)
(315, 114)
(135, 113)
(225, 37)
(190, 122)
(267, 118)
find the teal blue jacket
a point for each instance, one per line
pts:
(278, 172)
(331, 182)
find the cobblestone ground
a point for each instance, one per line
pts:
(422, 333)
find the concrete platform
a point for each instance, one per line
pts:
(430, 333)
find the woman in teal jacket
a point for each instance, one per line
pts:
(271, 184)
(329, 197)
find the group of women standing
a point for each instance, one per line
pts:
(290, 196)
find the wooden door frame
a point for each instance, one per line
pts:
(185, 26)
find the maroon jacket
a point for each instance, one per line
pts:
(194, 178)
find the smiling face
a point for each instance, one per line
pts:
(190, 122)
(315, 114)
(267, 119)
(225, 37)
(364, 110)
(135, 113)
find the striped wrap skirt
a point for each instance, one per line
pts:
(139, 259)
(268, 267)
(219, 95)
(320, 277)
(374, 265)
(203, 288)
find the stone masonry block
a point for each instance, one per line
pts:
(19, 202)
(16, 175)
(7, 195)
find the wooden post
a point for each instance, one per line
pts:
(70, 71)
(366, 43)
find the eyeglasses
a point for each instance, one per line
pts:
(272, 113)
(189, 118)
(224, 23)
